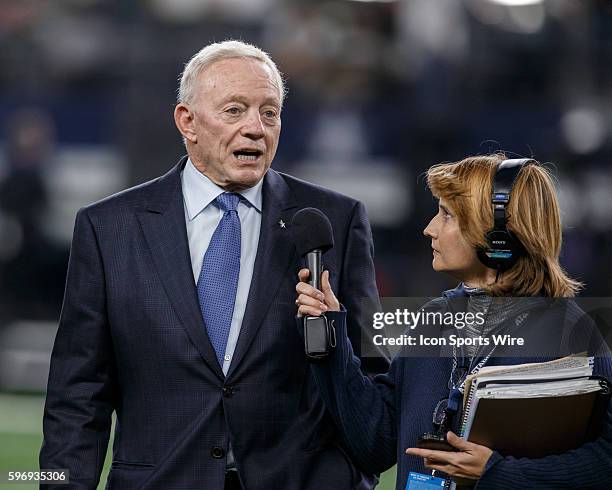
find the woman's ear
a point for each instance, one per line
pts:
(185, 122)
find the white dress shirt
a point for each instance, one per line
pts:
(202, 218)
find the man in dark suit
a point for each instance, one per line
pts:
(179, 309)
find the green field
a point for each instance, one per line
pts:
(21, 437)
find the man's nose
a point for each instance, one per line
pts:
(253, 126)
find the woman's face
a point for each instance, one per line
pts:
(451, 252)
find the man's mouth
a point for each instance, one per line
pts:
(248, 154)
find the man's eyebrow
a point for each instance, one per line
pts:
(244, 100)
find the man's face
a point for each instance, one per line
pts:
(233, 124)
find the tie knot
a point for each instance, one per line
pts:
(228, 201)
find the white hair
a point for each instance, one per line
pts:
(221, 51)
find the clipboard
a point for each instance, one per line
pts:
(540, 426)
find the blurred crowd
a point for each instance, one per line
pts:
(378, 92)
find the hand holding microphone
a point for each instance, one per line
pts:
(314, 302)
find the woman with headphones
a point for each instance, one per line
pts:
(498, 232)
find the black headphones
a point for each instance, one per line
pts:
(503, 249)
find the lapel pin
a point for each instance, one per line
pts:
(282, 223)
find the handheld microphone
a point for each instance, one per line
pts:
(313, 236)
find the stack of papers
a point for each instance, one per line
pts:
(564, 368)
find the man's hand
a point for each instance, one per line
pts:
(469, 462)
(311, 301)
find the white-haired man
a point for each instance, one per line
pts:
(179, 309)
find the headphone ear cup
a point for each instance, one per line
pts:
(502, 250)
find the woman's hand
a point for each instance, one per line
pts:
(311, 301)
(468, 462)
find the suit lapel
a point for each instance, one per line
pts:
(163, 224)
(275, 253)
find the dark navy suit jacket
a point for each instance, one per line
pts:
(131, 339)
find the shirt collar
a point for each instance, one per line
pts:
(199, 191)
(458, 292)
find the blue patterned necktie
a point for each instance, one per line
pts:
(218, 279)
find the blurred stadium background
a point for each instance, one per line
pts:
(378, 92)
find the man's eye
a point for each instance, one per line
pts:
(233, 110)
(270, 114)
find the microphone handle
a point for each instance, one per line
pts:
(313, 260)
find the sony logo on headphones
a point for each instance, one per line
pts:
(499, 242)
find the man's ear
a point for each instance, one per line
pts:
(184, 120)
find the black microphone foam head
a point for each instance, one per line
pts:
(311, 230)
